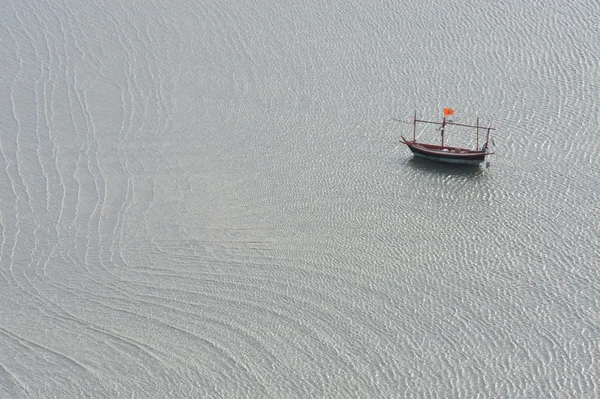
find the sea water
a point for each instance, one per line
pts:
(209, 199)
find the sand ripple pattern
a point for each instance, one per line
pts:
(208, 199)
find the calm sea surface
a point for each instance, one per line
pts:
(209, 199)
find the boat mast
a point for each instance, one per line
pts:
(443, 126)
(477, 129)
(415, 127)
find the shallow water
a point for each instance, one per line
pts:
(204, 199)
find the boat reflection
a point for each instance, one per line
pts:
(429, 166)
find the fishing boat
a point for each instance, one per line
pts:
(445, 153)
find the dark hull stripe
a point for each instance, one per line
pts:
(449, 160)
(474, 159)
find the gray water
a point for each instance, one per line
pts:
(209, 199)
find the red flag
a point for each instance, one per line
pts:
(448, 111)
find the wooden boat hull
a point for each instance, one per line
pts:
(454, 155)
